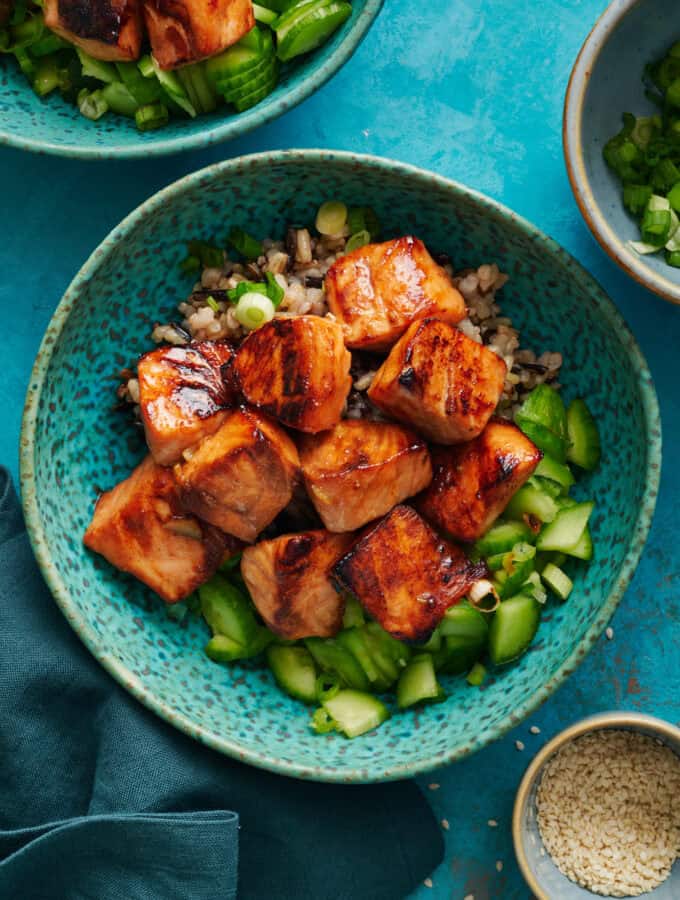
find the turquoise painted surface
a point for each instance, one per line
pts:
(475, 92)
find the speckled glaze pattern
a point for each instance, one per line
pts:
(53, 126)
(606, 82)
(73, 444)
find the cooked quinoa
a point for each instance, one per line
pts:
(299, 265)
(608, 810)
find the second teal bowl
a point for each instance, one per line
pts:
(73, 444)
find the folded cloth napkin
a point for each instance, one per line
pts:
(99, 799)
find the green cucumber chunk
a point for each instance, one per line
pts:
(120, 100)
(476, 675)
(294, 671)
(227, 611)
(203, 87)
(257, 92)
(566, 529)
(144, 90)
(172, 85)
(355, 712)
(557, 580)
(264, 15)
(531, 501)
(389, 654)
(331, 656)
(236, 58)
(354, 641)
(545, 407)
(519, 567)
(513, 628)
(97, 68)
(223, 649)
(313, 30)
(584, 436)
(418, 682)
(582, 549)
(556, 471)
(354, 613)
(464, 621)
(503, 537)
(545, 439)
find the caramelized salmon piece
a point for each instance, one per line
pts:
(296, 369)
(375, 292)
(289, 581)
(439, 381)
(140, 527)
(184, 31)
(182, 396)
(242, 476)
(473, 483)
(405, 575)
(359, 470)
(106, 29)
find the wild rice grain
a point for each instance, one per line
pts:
(608, 811)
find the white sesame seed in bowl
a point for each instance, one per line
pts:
(598, 811)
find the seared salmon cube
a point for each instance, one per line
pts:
(141, 527)
(474, 482)
(185, 31)
(405, 575)
(375, 292)
(106, 29)
(297, 370)
(242, 476)
(289, 582)
(182, 396)
(439, 381)
(359, 470)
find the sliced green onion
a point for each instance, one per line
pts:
(92, 105)
(253, 310)
(26, 64)
(331, 217)
(48, 44)
(210, 257)
(360, 239)
(327, 686)
(673, 258)
(264, 15)
(636, 197)
(665, 175)
(673, 92)
(321, 722)
(97, 68)
(673, 197)
(212, 303)
(46, 77)
(274, 290)
(246, 287)
(146, 66)
(190, 264)
(476, 675)
(152, 116)
(656, 225)
(245, 244)
(120, 99)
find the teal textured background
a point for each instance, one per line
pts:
(474, 91)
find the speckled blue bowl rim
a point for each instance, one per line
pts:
(605, 308)
(234, 127)
(572, 143)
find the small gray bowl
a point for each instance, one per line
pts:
(539, 871)
(606, 81)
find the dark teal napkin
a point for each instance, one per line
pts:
(99, 799)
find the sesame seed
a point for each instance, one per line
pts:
(428, 882)
(535, 729)
(434, 786)
(519, 745)
(609, 633)
(492, 823)
(499, 865)
(445, 824)
(469, 897)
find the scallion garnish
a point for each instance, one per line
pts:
(245, 244)
(253, 310)
(212, 303)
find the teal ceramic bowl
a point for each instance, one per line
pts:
(73, 444)
(606, 81)
(53, 126)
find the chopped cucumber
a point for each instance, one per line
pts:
(331, 656)
(354, 641)
(495, 562)
(519, 566)
(418, 682)
(312, 29)
(355, 712)
(545, 407)
(556, 471)
(531, 501)
(258, 91)
(567, 528)
(389, 655)
(513, 628)
(221, 648)
(476, 675)
(558, 582)
(465, 632)
(227, 611)
(264, 15)
(203, 88)
(582, 549)
(96, 68)
(584, 436)
(120, 100)
(171, 84)
(294, 671)
(545, 440)
(237, 58)
(354, 613)
(144, 90)
(503, 537)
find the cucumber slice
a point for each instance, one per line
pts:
(96, 68)
(418, 682)
(545, 440)
(557, 580)
(223, 649)
(584, 436)
(119, 99)
(294, 671)
(546, 486)
(389, 655)
(254, 80)
(529, 500)
(203, 89)
(495, 561)
(227, 611)
(521, 565)
(330, 656)
(237, 58)
(258, 93)
(556, 471)
(545, 407)
(464, 621)
(476, 675)
(314, 29)
(355, 712)
(513, 628)
(567, 528)
(237, 82)
(294, 13)
(502, 538)
(354, 613)
(264, 15)
(582, 549)
(144, 90)
(353, 640)
(174, 88)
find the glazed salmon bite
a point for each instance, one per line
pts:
(108, 30)
(375, 292)
(439, 381)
